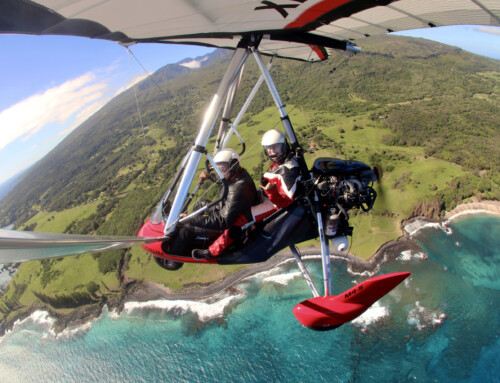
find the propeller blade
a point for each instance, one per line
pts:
(20, 246)
(329, 312)
(379, 172)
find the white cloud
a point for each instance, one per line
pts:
(93, 108)
(194, 64)
(491, 30)
(131, 83)
(56, 105)
(84, 114)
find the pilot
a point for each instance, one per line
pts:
(279, 185)
(241, 194)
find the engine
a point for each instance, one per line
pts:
(341, 186)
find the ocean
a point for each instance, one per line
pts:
(440, 325)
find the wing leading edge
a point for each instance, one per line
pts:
(298, 29)
(20, 246)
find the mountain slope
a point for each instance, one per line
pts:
(427, 95)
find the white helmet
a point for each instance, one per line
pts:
(229, 157)
(275, 137)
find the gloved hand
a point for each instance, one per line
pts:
(205, 175)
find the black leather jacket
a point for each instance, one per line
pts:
(241, 195)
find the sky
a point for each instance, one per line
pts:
(51, 84)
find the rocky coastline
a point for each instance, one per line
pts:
(149, 291)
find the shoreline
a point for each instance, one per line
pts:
(491, 207)
(150, 291)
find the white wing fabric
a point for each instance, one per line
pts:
(20, 246)
(298, 29)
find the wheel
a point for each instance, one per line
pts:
(167, 264)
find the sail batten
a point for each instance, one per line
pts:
(222, 23)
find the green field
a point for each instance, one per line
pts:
(143, 268)
(56, 222)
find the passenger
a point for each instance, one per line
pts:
(279, 185)
(241, 194)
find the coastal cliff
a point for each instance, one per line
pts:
(150, 291)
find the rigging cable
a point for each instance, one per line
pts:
(137, 102)
(251, 148)
(348, 56)
(150, 76)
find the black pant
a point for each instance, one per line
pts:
(186, 239)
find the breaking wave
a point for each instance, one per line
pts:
(205, 310)
(417, 225)
(371, 316)
(422, 317)
(409, 255)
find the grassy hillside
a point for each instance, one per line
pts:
(429, 114)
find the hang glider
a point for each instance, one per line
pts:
(298, 29)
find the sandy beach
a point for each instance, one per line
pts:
(491, 207)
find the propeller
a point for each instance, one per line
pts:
(379, 174)
(20, 246)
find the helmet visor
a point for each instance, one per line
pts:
(224, 168)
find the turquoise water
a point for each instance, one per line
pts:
(442, 324)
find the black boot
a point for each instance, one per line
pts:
(202, 254)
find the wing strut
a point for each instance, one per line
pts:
(228, 109)
(20, 246)
(238, 59)
(285, 120)
(304, 271)
(227, 88)
(244, 108)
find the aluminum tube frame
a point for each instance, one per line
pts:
(181, 169)
(304, 271)
(276, 97)
(219, 173)
(202, 209)
(228, 110)
(325, 250)
(245, 106)
(237, 60)
(232, 130)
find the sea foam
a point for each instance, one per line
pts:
(282, 279)
(206, 310)
(417, 225)
(39, 319)
(375, 313)
(276, 274)
(422, 317)
(408, 255)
